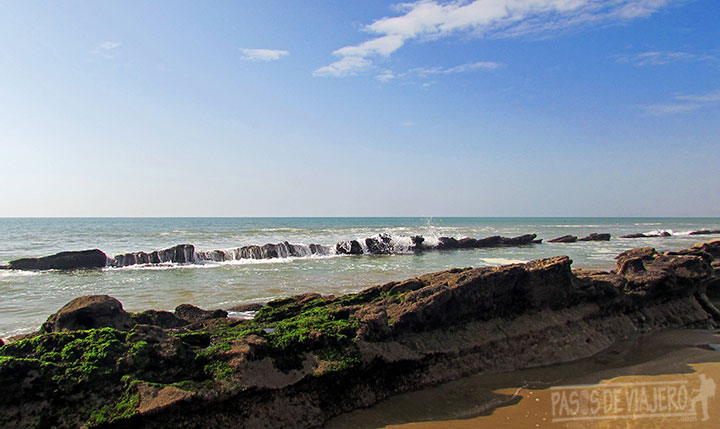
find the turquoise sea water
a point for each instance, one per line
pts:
(27, 298)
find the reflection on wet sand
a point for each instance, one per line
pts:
(658, 381)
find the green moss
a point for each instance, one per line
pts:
(218, 369)
(123, 409)
(341, 359)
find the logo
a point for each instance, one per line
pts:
(686, 399)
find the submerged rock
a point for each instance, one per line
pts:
(596, 237)
(63, 261)
(705, 232)
(564, 239)
(89, 312)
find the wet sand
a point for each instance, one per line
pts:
(644, 370)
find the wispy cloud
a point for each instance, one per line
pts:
(107, 49)
(263, 54)
(387, 75)
(684, 103)
(426, 20)
(657, 58)
(408, 124)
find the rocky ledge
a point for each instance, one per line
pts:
(306, 358)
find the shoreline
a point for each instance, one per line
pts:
(304, 359)
(476, 400)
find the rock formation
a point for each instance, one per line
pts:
(596, 237)
(564, 239)
(63, 261)
(306, 358)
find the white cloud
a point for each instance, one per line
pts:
(263, 54)
(656, 58)
(423, 72)
(385, 75)
(106, 49)
(408, 124)
(685, 103)
(109, 45)
(433, 19)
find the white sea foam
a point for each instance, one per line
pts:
(244, 315)
(18, 273)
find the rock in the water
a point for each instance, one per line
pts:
(180, 254)
(417, 243)
(493, 241)
(351, 247)
(89, 312)
(445, 243)
(193, 314)
(467, 243)
(705, 232)
(564, 239)
(520, 240)
(163, 319)
(596, 237)
(63, 261)
(636, 235)
(379, 245)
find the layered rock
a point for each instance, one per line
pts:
(564, 239)
(63, 261)
(305, 358)
(596, 237)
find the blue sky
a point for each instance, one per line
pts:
(360, 108)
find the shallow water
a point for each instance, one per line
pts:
(27, 298)
(523, 398)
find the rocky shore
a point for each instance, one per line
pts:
(304, 359)
(379, 244)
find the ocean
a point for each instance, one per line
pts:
(28, 298)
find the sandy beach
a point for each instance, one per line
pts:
(525, 398)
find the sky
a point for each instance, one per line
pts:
(360, 108)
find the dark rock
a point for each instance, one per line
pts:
(417, 243)
(636, 235)
(467, 243)
(63, 261)
(650, 274)
(493, 241)
(319, 249)
(251, 252)
(520, 240)
(380, 245)
(254, 306)
(4, 267)
(163, 319)
(564, 239)
(596, 237)
(351, 247)
(180, 254)
(705, 232)
(446, 243)
(89, 312)
(193, 314)
(665, 234)
(269, 251)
